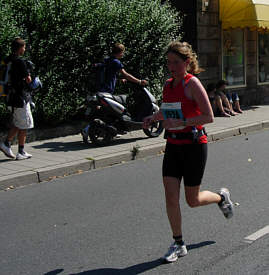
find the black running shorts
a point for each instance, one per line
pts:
(185, 161)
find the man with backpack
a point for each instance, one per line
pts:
(19, 102)
(113, 66)
(107, 75)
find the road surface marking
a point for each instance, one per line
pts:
(258, 234)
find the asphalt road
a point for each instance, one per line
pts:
(113, 220)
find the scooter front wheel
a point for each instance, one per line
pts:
(154, 130)
(100, 136)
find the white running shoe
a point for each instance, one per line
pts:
(175, 251)
(22, 156)
(227, 206)
(7, 151)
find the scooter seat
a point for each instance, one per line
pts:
(122, 99)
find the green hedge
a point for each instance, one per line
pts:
(64, 37)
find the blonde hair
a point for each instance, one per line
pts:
(184, 50)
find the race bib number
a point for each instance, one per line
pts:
(172, 110)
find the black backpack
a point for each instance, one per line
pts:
(100, 70)
(5, 84)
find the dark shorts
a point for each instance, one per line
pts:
(185, 161)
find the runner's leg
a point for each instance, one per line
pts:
(172, 193)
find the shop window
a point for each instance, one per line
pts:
(263, 58)
(234, 57)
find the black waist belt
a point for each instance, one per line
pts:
(194, 135)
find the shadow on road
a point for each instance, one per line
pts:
(198, 245)
(54, 272)
(132, 270)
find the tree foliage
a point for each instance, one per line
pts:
(64, 37)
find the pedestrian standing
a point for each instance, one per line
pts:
(19, 102)
(186, 148)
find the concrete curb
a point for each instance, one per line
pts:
(225, 134)
(62, 170)
(17, 180)
(48, 173)
(251, 127)
(265, 124)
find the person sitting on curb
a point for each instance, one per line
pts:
(220, 92)
(21, 110)
(215, 101)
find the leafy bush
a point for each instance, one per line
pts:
(65, 37)
(8, 30)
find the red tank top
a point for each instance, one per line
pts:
(189, 108)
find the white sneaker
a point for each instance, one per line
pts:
(22, 156)
(7, 151)
(175, 251)
(227, 206)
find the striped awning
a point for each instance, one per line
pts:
(253, 14)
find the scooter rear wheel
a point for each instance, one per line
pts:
(100, 136)
(154, 130)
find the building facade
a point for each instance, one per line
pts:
(231, 38)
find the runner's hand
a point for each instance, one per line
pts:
(147, 121)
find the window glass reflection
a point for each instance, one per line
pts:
(263, 57)
(233, 57)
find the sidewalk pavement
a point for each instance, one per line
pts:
(69, 155)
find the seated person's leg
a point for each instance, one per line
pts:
(236, 103)
(227, 104)
(220, 107)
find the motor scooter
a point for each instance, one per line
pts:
(113, 115)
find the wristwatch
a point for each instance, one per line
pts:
(184, 122)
